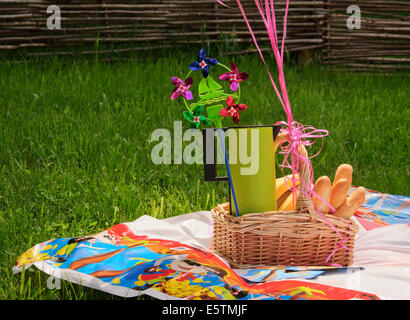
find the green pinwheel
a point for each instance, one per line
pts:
(197, 117)
(211, 96)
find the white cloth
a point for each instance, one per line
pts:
(385, 255)
(384, 252)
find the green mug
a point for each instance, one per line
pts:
(251, 156)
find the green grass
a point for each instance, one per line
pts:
(75, 150)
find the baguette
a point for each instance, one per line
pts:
(344, 171)
(322, 188)
(338, 193)
(351, 204)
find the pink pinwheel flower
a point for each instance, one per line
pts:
(232, 109)
(234, 77)
(181, 88)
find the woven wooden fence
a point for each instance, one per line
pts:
(142, 25)
(113, 27)
(382, 41)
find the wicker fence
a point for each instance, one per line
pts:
(381, 43)
(142, 25)
(110, 27)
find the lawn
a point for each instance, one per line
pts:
(75, 146)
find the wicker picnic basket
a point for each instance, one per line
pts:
(292, 238)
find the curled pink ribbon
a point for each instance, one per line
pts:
(296, 133)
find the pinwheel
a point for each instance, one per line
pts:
(232, 109)
(234, 77)
(181, 88)
(203, 63)
(196, 117)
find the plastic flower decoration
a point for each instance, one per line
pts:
(234, 77)
(181, 88)
(197, 117)
(209, 102)
(203, 63)
(232, 109)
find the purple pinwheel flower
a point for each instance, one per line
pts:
(181, 88)
(203, 63)
(234, 77)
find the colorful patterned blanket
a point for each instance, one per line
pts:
(126, 261)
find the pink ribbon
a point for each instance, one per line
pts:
(296, 133)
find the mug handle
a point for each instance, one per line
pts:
(210, 168)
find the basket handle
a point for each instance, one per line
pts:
(304, 202)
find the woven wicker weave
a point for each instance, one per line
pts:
(292, 238)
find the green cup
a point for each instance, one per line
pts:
(251, 155)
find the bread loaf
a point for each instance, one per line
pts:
(352, 203)
(344, 171)
(322, 188)
(338, 192)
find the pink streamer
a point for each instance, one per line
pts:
(296, 133)
(225, 5)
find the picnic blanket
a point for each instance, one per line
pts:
(171, 259)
